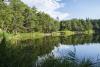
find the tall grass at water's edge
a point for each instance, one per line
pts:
(69, 61)
(34, 35)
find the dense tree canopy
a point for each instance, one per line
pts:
(18, 17)
(80, 25)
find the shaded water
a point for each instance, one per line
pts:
(71, 51)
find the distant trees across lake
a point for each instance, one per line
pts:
(18, 17)
(80, 25)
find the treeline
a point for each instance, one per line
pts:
(18, 17)
(80, 25)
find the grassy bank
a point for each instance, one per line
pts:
(21, 36)
(89, 32)
(24, 36)
(68, 33)
(63, 33)
(35, 35)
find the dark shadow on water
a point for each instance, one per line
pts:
(26, 53)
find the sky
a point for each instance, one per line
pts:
(67, 9)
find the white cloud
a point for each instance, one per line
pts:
(48, 6)
(58, 0)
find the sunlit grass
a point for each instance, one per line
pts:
(35, 35)
(63, 33)
(89, 32)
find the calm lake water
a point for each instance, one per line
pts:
(49, 51)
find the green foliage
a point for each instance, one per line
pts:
(45, 23)
(77, 25)
(18, 17)
(80, 25)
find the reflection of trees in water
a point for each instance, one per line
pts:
(80, 39)
(25, 53)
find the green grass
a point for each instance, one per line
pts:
(63, 33)
(89, 32)
(21, 36)
(24, 36)
(35, 35)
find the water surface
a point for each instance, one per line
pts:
(51, 51)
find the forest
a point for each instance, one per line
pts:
(17, 17)
(32, 38)
(81, 25)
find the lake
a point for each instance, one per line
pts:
(60, 51)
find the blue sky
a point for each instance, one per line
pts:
(82, 8)
(67, 9)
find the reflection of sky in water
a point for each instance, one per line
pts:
(62, 50)
(91, 50)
